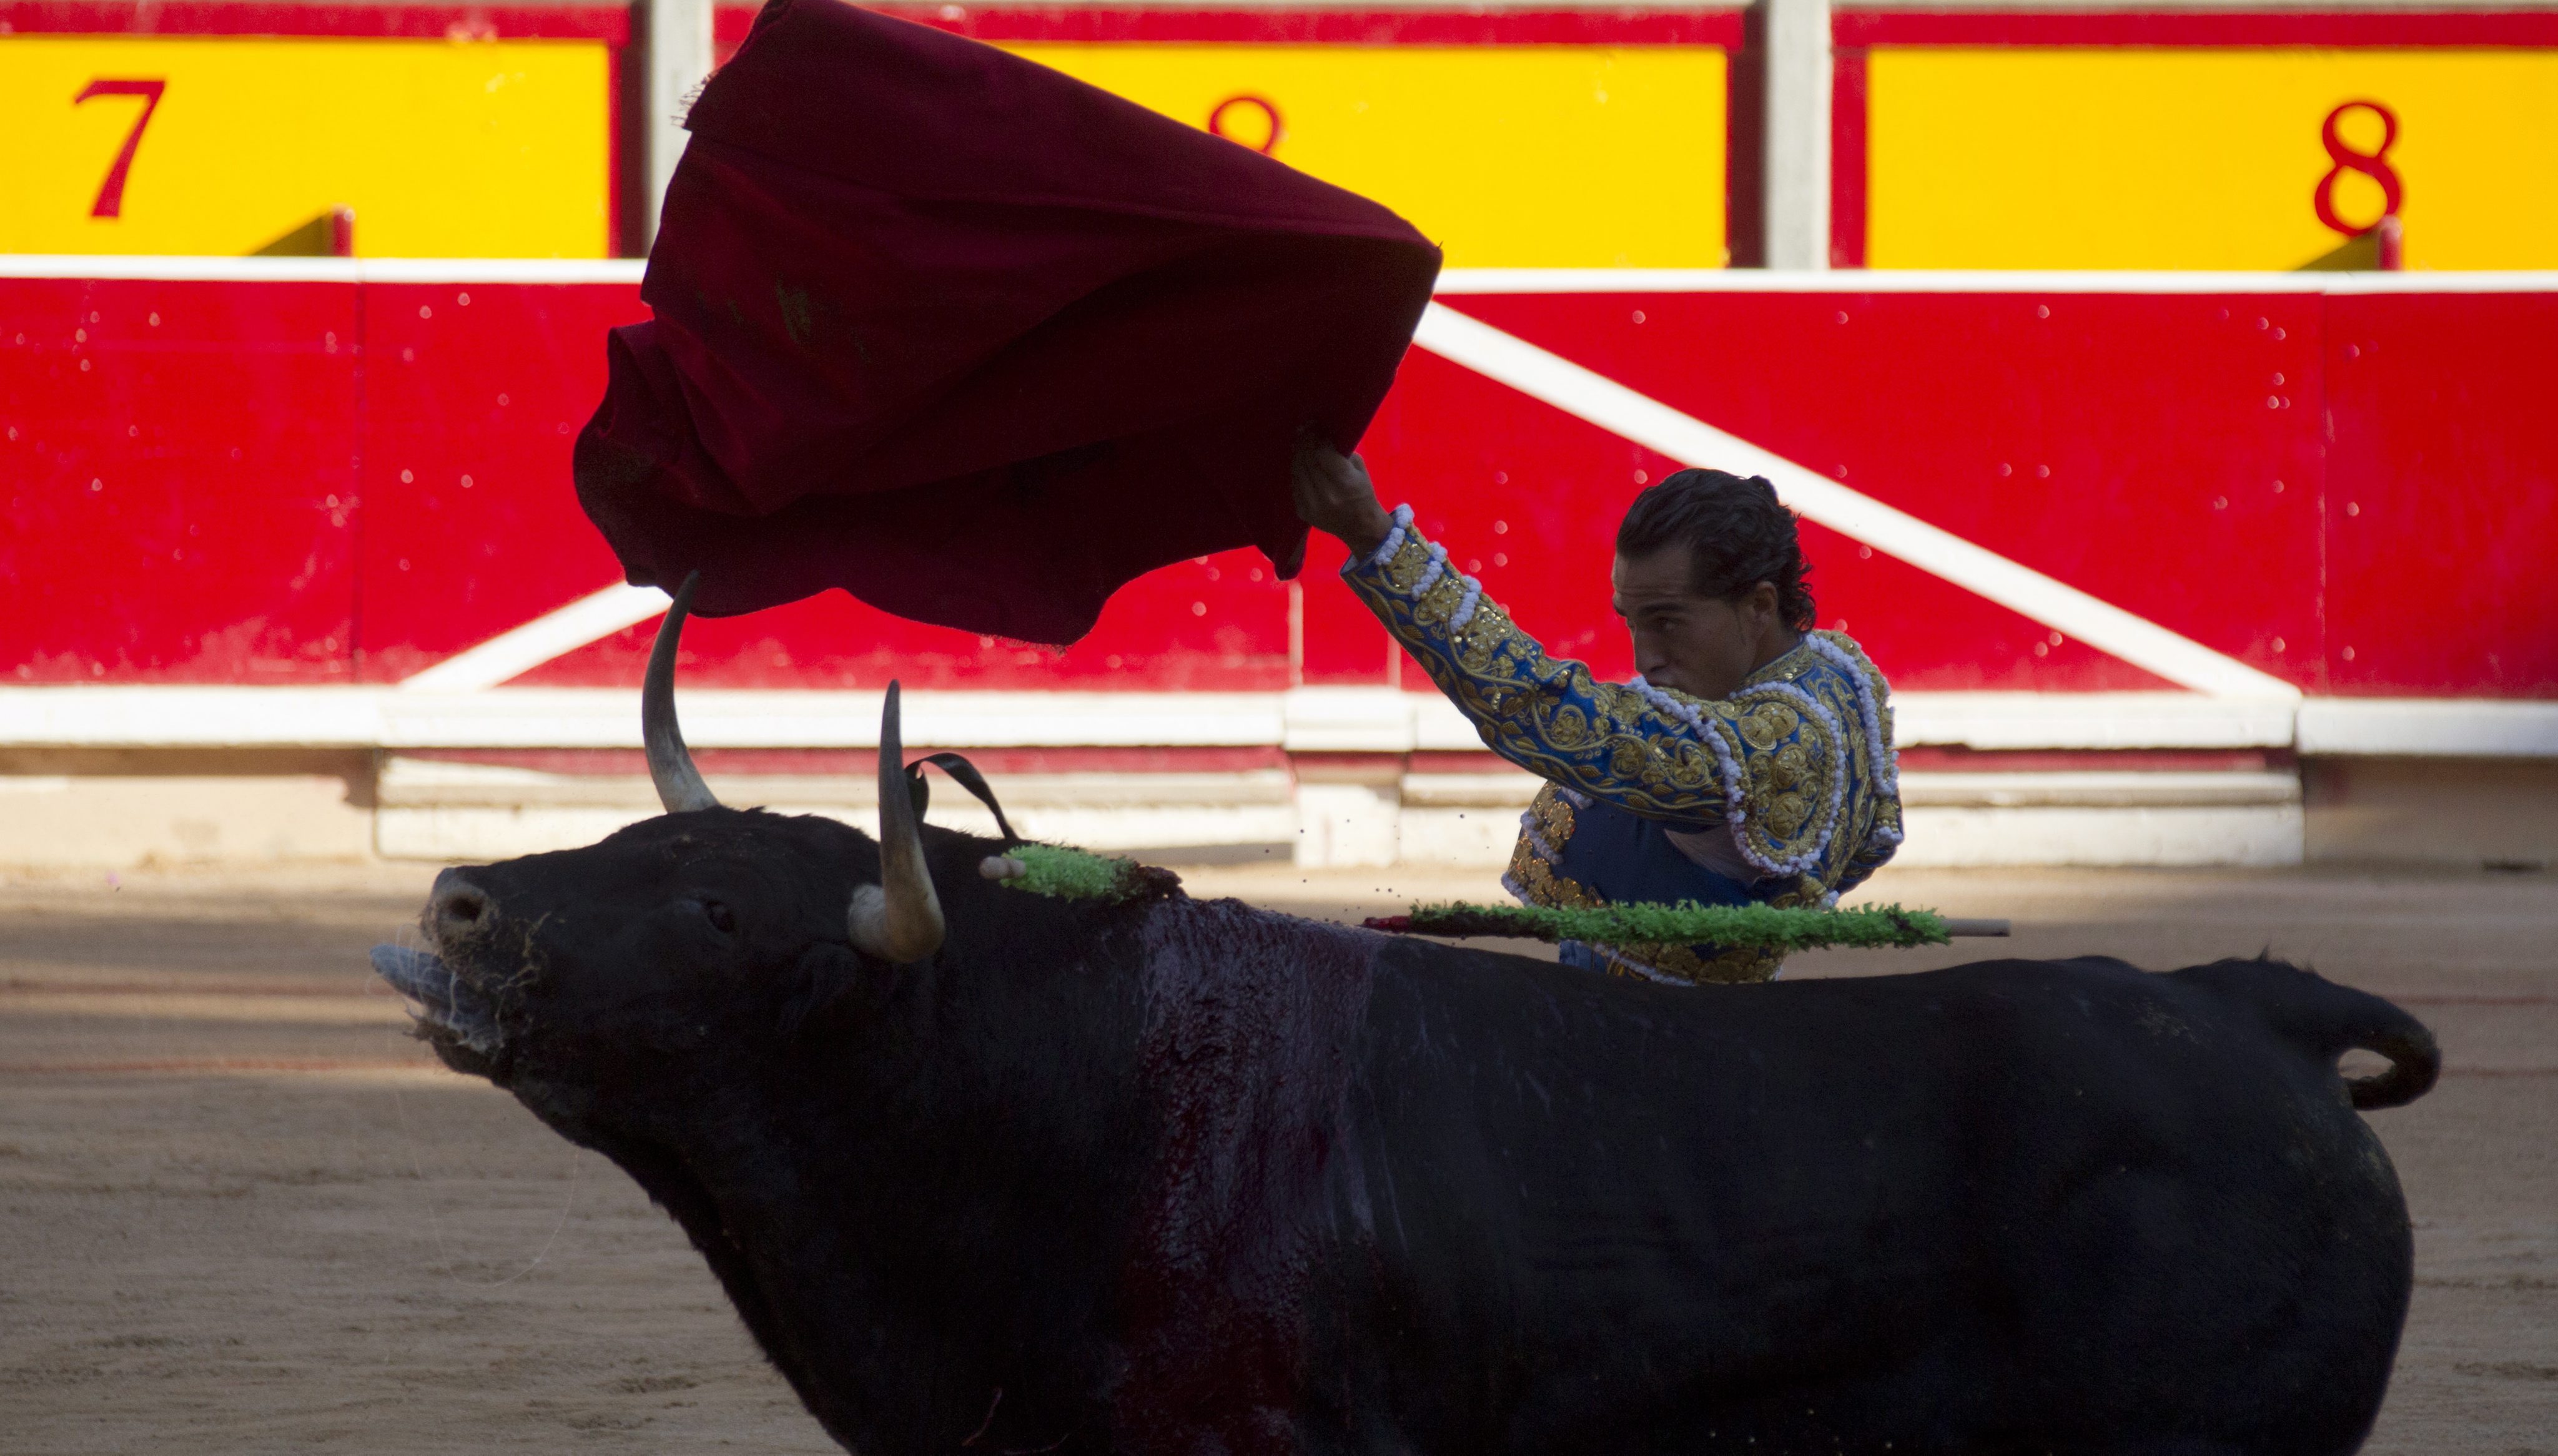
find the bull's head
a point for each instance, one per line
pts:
(767, 1021)
(601, 944)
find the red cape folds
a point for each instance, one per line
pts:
(974, 340)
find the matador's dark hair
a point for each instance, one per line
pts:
(1736, 533)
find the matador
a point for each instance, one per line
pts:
(1750, 759)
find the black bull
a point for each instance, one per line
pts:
(1175, 1176)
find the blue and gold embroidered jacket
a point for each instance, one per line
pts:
(1797, 764)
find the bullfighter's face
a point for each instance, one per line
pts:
(1686, 641)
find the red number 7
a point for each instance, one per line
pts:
(111, 192)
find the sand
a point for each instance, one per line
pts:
(243, 1211)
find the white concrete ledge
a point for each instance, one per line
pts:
(2098, 790)
(1348, 721)
(1306, 720)
(2429, 728)
(1510, 789)
(412, 783)
(190, 718)
(609, 717)
(2255, 834)
(601, 718)
(2089, 720)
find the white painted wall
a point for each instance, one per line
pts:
(679, 59)
(1797, 135)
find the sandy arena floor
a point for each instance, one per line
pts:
(241, 1211)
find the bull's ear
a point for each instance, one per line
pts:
(827, 978)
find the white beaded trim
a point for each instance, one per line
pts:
(1886, 758)
(1432, 574)
(1393, 541)
(1465, 611)
(1669, 707)
(1536, 842)
(1887, 773)
(1736, 804)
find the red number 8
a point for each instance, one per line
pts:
(1269, 143)
(2373, 164)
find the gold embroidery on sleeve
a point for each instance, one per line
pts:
(1797, 737)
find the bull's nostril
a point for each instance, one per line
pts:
(459, 907)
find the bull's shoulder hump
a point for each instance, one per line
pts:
(1248, 927)
(1231, 953)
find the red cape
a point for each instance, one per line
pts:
(974, 340)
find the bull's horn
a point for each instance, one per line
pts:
(898, 920)
(670, 764)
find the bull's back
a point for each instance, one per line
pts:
(1597, 1202)
(1666, 1193)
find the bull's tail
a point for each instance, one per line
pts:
(2414, 1062)
(2329, 1020)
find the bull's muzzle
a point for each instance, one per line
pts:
(458, 911)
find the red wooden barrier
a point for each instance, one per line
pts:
(329, 472)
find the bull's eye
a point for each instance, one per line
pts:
(722, 918)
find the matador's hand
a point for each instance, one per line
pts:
(1333, 495)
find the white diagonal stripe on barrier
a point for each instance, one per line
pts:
(1611, 406)
(1541, 375)
(513, 653)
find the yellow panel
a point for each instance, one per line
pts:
(443, 149)
(1507, 156)
(2090, 158)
